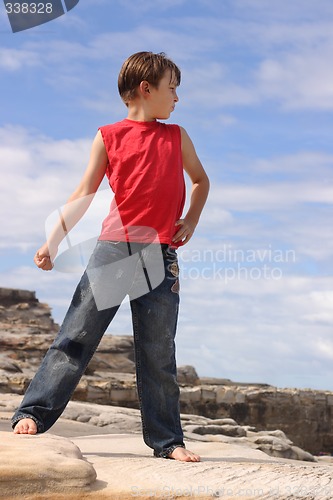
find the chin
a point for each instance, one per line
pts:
(164, 117)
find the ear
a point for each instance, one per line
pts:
(144, 88)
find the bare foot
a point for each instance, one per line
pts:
(25, 426)
(184, 455)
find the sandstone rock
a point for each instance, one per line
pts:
(273, 446)
(20, 307)
(113, 420)
(27, 330)
(299, 454)
(277, 433)
(281, 447)
(13, 296)
(303, 415)
(117, 419)
(223, 421)
(187, 375)
(226, 430)
(191, 395)
(114, 354)
(127, 469)
(13, 383)
(31, 465)
(7, 365)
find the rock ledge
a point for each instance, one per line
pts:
(31, 465)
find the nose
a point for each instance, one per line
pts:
(176, 98)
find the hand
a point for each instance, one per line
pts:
(44, 258)
(184, 233)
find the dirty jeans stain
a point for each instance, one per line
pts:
(154, 318)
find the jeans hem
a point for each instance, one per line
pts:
(165, 453)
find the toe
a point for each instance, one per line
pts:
(184, 455)
(25, 426)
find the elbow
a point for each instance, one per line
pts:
(205, 183)
(82, 192)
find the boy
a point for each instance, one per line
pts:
(144, 161)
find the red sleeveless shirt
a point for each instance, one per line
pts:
(145, 172)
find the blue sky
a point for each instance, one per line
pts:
(257, 100)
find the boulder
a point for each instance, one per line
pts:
(187, 375)
(32, 465)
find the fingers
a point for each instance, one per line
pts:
(43, 262)
(185, 232)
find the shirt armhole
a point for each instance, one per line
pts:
(108, 166)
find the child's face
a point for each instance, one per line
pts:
(163, 99)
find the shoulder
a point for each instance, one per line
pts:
(185, 138)
(111, 132)
(171, 128)
(181, 131)
(112, 126)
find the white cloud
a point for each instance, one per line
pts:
(39, 175)
(147, 5)
(309, 165)
(181, 46)
(290, 51)
(278, 195)
(289, 56)
(245, 329)
(18, 59)
(253, 327)
(290, 62)
(293, 211)
(210, 86)
(300, 81)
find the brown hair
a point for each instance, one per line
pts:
(144, 66)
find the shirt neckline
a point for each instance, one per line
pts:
(147, 124)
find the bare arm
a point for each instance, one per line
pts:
(76, 205)
(199, 193)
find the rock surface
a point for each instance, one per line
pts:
(111, 419)
(27, 330)
(47, 467)
(126, 469)
(31, 465)
(304, 415)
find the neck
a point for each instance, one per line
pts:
(139, 113)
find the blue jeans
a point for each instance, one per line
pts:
(154, 317)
